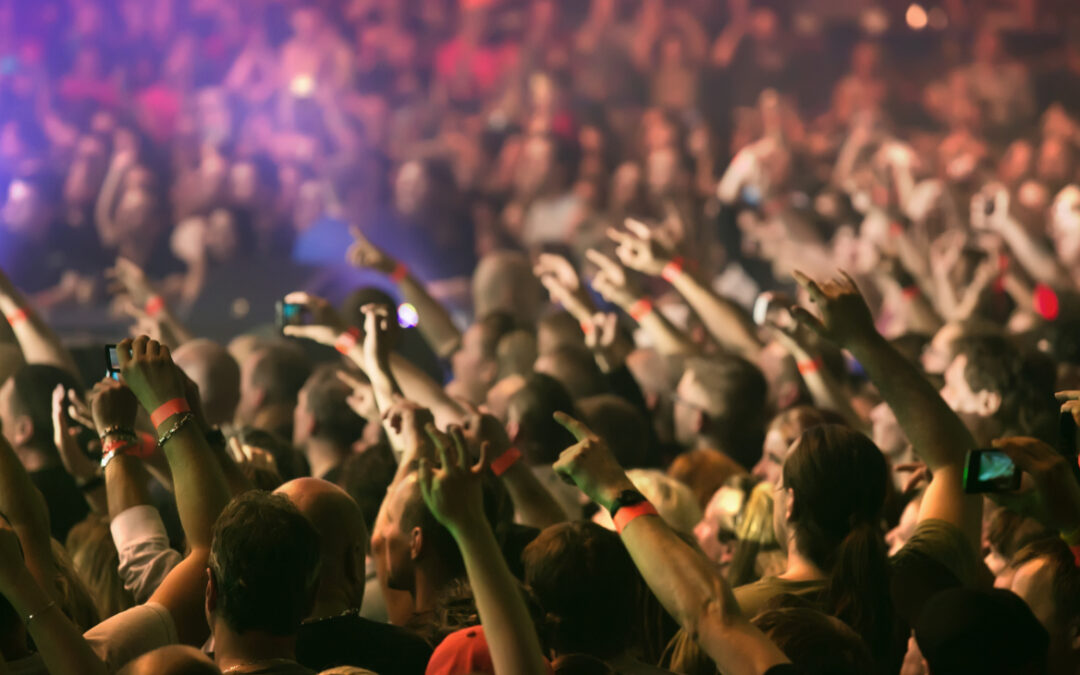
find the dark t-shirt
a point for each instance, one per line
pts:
(66, 503)
(351, 640)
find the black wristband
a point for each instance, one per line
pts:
(626, 498)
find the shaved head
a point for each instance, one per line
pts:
(172, 660)
(343, 535)
(217, 375)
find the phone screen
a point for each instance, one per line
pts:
(288, 314)
(112, 362)
(990, 471)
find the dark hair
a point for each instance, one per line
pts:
(366, 476)
(437, 538)
(738, 395)
(623, 427)
(839, 529)
(281, 372)
(494, 326)
(541, 438)
(32, 397)
(264, 561)
(576, 368)
(335, 420)
(1024, 381)
(588, 587)
(290, 463)
(816, 643)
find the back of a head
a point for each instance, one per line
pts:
(738, 399)
(538, 435)
(516, 354)
(33, 385)
(587, 585)
(575, 368)
(217, 375)
(264, 563)
(504, 281)
(327, 402)
(280, 372)
(172, 660)
(816, 643)
(991, 632)
(366, 476)
(558, 329)
(338, 520)
(839, 529)
(622, 426)
(704, 471)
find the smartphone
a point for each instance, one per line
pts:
(112, 362)
(773, 309)
(988, 470)
(288, 314)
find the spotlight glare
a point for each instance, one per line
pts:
(916, 16)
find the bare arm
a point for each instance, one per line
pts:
(935, 431)
(453, 494)
(688, 586)
(24, 507)
(38, 342)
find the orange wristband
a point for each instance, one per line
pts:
(807, 367)
(504, 461)
(17, 316)
(911, 292)
(400, 272)
(641, 309)
(154, 305)
(586, 327)
(628, 513)
(673, 269)
(347, 340)
(168, 409)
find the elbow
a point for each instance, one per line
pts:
(717, 612)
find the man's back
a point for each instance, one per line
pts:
(352, 640)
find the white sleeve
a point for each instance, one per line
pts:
(143, 546)
(132, 633)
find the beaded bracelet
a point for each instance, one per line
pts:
(181, 422)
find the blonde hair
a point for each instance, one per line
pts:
(95, 559)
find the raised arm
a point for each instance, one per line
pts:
(38, 342)
(85, 471)
(58, 641)
(453, 494)
(611, 282)
(24, 508)
(199, 484)
(990, 210)
(436, 325)
(728, 324)
(684, 581)
(147, 304)
(935, 431)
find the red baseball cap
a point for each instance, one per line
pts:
(464, 652)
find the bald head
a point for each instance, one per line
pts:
(342, 533)
(215, 372)
(172, 660)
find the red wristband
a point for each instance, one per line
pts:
(168, 409)
(628, 513)
(347, 340)
(910, 292)
(146, 447)
(672, 270)
(1046, 302)
(1076, 554)
(115, 445)
(17, 316)
(641, 309)
(504, 461)
(895, 229)
(154, 305)
(586, 327)
(807, 367)
(400, 272)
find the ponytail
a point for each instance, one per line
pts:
(858, 591)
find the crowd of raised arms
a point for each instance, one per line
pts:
(614, 337)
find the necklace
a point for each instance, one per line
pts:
(248, 664)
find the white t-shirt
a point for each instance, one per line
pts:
(132, 633)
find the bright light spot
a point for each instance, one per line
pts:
(939, 20)
(302, 86)
(407, 316)
(916, 16)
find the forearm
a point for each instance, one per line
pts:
(823, 387)
(199, 484)
(24, 507)
(125, 484)
(38, 342)
(508, 628)
(435, 323)
(668, 340)
(535, 506)
(59, 643)
(1037, 261)
(725, 322)
(417, 386)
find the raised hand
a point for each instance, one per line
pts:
(326, 324)
(405, 423)
(75, 461)
(590, 464)
(453, 492)
(377, 347)
(611, 281)
(129, 278)
(563, 284)
(146, 366)
(639, 249)
(362, 398)
(845, 317)
(113, 406)
(1053, 494)
(602, 339)
(990, 207)
(365, 254)
(480, 429)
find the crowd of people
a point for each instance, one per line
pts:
(619, 337)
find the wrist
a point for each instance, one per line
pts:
(608, 495)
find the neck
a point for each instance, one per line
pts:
(335, 597)
(428, 586)
(799, 567)
(270, 417)
(323, 456)
(232, 649)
